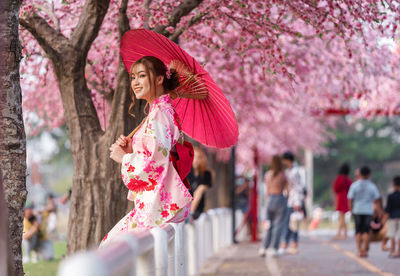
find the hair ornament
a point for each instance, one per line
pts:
(168, 73)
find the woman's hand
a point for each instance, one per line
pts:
(116, 153)
(125, 143)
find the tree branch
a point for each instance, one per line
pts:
(47, 37)
(121, 97)
(147, 17)
(193, 21)
(89, 24)
(123, 21)
(50, 13)
(180, 11)
(122, 77)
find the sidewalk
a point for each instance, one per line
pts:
(318, 256)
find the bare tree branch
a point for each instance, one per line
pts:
(193, 21)
(122, 78)
(47, 37)
(180, 11)
(89, 24)
(147, 17)
(123, 21)
(49, 12)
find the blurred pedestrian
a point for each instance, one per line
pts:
(341, 187)
(242, 193)
(35, 243)
(66, 197)
(294, 213)
(49, 217)
(392, 216)
(357, 175)
(362, 195)
(276, 183)
(200, 180)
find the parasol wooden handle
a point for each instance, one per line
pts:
(136, 129)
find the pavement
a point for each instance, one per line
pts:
(318, 255)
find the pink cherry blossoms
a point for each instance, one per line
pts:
(280, 63)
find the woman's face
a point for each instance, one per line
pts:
(141, 83)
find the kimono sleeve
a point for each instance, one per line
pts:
(142, 169)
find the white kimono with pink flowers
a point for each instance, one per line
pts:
(154, 185)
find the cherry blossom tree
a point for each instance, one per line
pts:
(257, 51)
(12, 143)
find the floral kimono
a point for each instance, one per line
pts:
(154, 185)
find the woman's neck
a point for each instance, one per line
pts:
(159, 92)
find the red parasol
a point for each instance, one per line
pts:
(205, 113)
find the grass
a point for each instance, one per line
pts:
(47, 268)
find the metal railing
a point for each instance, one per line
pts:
(174, 250)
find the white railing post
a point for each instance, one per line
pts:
(160, 251)
(229, 222)
(215, 229)
(208, 236)
(170, 230)
(180, 269)
(201, 238)
(192, 242)
(221, 227)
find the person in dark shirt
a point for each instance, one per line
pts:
(200, 180)
(392, 215)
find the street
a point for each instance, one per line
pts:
(318, 255)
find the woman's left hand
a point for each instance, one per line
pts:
(116, 153)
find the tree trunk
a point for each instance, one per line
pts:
(98, 198)
(6, 262)
(12, 133)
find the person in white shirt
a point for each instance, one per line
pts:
(295, 199)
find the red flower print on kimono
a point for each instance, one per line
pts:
(137, 185)
(174, 207)
(152, 186)
(132, 213)
(164, 214)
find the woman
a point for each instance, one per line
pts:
(200, 180)
(155, 186)
(341, 187)
(276, 183)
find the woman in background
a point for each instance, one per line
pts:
(341, 187)
(276, 183)
(200, 180)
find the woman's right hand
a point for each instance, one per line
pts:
(125, 143)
